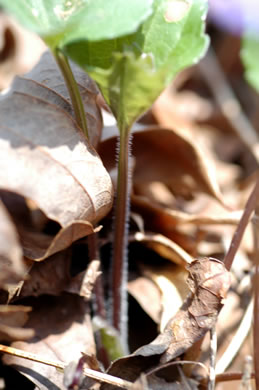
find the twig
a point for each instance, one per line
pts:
(226, 99)
(96, 375)
(213, 353)
(236, 341)
(182, 362)
(231, 376)
(256, 298)
(225, 377)
(246, 378)
(238, 235)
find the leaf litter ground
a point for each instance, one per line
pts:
(192, 174)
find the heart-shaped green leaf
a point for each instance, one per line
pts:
(61, 21)
(133, 70)
(250, 58)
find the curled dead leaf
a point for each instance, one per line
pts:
(20, 50)
(209, 282)
(45, 158)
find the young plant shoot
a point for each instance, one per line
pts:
(133, 50)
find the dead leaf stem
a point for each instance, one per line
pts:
(96, 375)
(73, 90)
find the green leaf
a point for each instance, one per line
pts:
(133, 70)
(59, 22)
(129, 86)
(250, 58)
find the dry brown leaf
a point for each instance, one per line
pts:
(179, 162)
(47, 73)
(48, 277)
(62, 331)
(44, 157)
(34, 88)
(209, 282)
(55, 275)
(12, 318)
(39, 246)
(12, 267)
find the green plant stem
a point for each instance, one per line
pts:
(120, 263)
(73, 90)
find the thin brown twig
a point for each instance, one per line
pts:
(96, 375)
(213, 353)
(225, 377)
(238, 235)
(256, 297)
(236, 342)
(227, 100)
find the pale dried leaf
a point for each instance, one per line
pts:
(20, 50)
(164, 247)
(47, 73)
(171, 281)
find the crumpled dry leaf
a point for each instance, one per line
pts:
(47, 73)
(44, 157)
(12, 318)
(20, 50)
(180, 163)
(12, 267)
(209, 282)
(62, 331)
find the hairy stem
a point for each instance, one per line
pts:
(120, 263)
(73, 90)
